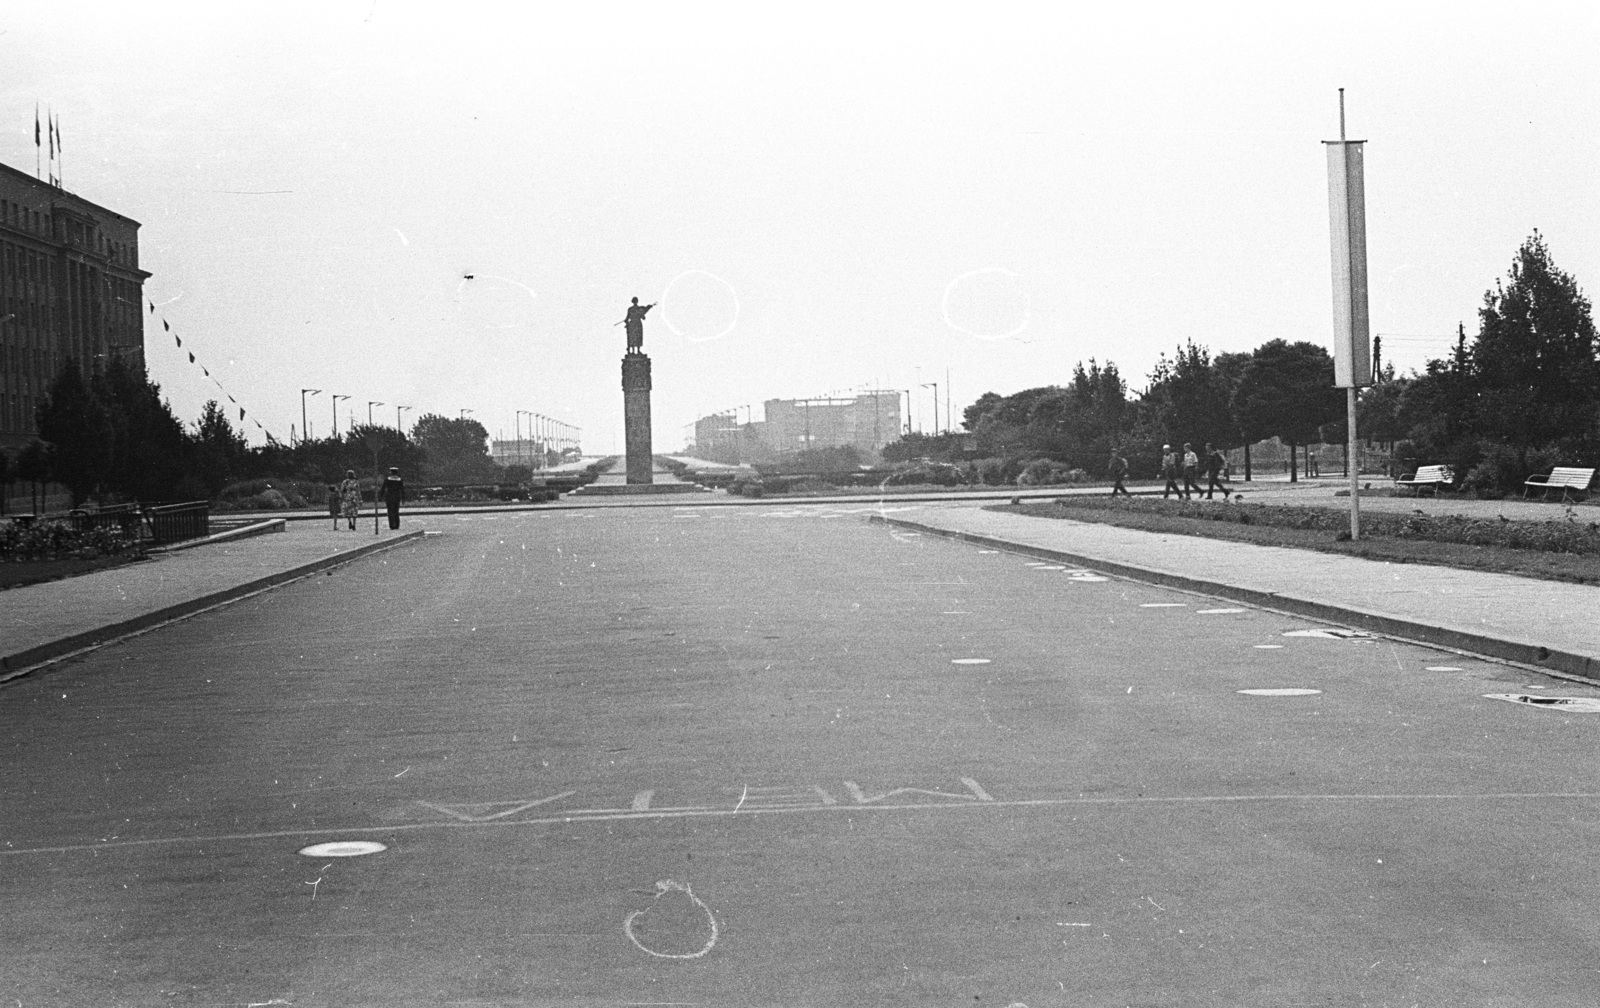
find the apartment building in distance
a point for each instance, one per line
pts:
(70, 287)
(866, 421)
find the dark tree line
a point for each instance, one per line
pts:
(1523, 396)
(109, 436)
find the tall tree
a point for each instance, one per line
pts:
(1190, 397)
(1287, 392)
(220, 449)
(456, 451)
(151, 456)
(74, 420)
(1535, 364)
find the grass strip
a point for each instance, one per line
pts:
(1385, 536)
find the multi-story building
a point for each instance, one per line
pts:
(70, 287)
(867, 421)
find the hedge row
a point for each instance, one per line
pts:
(1557, 535)
(56, 540)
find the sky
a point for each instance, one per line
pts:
(819, 198)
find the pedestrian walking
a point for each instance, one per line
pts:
(393, 490)
(1191, 471)
(1311, 463)
(1216, 462)
(333, 504)
(1169, 471)
(1117, 469)
(350, 498)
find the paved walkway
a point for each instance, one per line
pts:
(1550, 624)
(46, 621)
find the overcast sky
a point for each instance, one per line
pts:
(820, 197)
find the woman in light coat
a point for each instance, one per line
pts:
(350, 498)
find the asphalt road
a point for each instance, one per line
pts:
(778, 756)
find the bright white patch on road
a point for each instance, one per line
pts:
(988, 551)
(1038, 563)
(1444, 668)
(1572, 704)
(668, 886)
(1208, 612)
(1086, 577)
(1163, 605)
(1278, 692)
(969, 661)
(956, 612)
(1269, 647)
(343, 848)
(1046, 567)
(1332, 633)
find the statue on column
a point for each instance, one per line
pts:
(635, 326)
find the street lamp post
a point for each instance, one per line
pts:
(397, 424)
(336, 399)
(371, 404)
(303, 392)
(935, 387)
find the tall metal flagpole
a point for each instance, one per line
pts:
(1352, 340)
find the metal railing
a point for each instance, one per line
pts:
(170, 523)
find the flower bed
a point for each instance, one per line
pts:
(59, 540)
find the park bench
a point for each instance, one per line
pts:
(1565, 478)
(1435, 478)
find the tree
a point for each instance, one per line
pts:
(1286, 391)
(74, 420)
(36, 464)
(382, 447)
(5, 479)
(1190, 397)
(455, 451)
(220, 450)
(151, 455)
(1535, 365)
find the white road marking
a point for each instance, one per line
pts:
(641, 801)
(343, 848)
(1163, 605)
(608, 815)
(477, 811)
(978, 793)
(1278, 692)
(1208, 612)
(1269, 647)
(1333, 633)
(1446, 668)
(969, 661)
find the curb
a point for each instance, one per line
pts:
(14, 665)
(1525, 653)
(243, 532)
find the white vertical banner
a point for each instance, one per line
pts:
(1347, 220)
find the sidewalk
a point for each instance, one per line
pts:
(1548, 624)
(45, 621)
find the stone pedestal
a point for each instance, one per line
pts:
(636, 417)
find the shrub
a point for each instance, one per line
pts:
(747, 486)
(1048, 472)
(54, 540)
(1503, 469)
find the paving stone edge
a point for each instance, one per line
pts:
(1503, 648)
(13, 666)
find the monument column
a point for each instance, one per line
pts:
(636, 416)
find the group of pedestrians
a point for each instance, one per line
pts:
(344, 498)
(1184, 465)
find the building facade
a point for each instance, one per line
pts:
(70, 287)
(867, 422)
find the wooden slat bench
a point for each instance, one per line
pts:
(1435, 478)
(1567, 479)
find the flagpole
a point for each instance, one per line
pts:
(37, 141)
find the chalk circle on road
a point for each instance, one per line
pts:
(343, 848)
(1332, 633)
(1279, 692)
(969, 661)
(1574, 704)
(680, 924)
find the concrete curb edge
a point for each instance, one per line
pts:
(14, 665)
(242, 532)
(1505, 649)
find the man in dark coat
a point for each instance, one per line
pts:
(1215, 463)
(1117, 469)
(393, 490)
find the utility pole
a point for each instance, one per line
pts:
(397, 424)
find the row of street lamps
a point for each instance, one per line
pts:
(334, 399)
(543, 431)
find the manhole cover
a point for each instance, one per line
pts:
(1575, 704)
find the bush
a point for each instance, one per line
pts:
(1048, 472)
(1503, 471)
(747, 486)
(931, 473)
